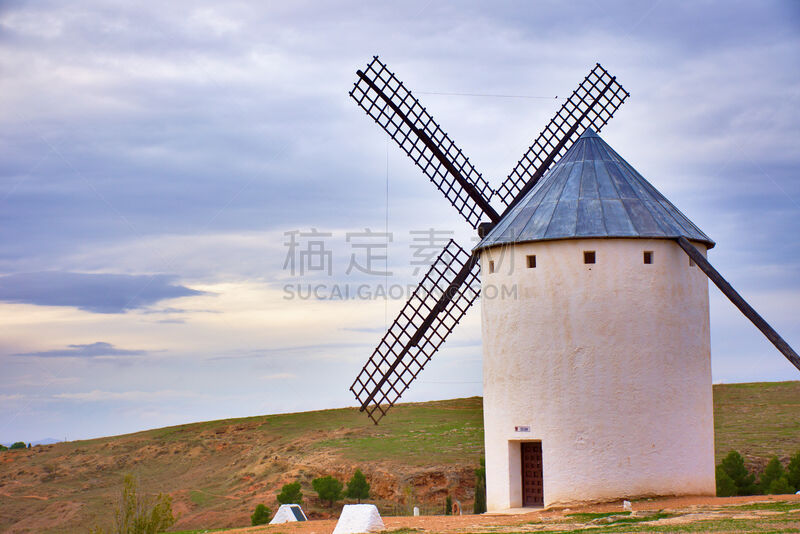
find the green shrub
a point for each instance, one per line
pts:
(261, 515)
(448, 506)
(328, 488)
(772, 473)
(139, 514)
(733, 465)
(290, 494)
(793, 472)
(358, 487)
(3, 447)
(726, 487)
(17, 445)
(779, 486)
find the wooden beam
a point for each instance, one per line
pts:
(739, 302)
(471, 190)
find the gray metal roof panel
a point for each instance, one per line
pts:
(592, 192)
(617, 221)
(590, 218)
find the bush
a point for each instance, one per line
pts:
(140, 514)
(17, 445)
(726, 487)
(479, 506)
(358, 487)
(290, 494)
(793, 472)
(733, 465)
(779, 486)
(772, 473)
(3, 447)
(328, 488)
(448, 506)
(261, 515)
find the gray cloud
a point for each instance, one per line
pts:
(186, 137)
(295, 350)
(97, 293)
(365, 330)
(99, 349)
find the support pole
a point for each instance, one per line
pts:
(739, 302)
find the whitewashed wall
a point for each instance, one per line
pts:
(608, 364)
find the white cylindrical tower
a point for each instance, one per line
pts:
(597, 374)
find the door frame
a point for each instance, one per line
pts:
(515, 471)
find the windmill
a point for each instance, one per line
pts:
(553, 208)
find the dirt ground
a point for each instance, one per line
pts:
(686, 509)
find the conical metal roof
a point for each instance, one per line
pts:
(592, 192)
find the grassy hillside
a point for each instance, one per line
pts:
(217, 471)
(759, 419)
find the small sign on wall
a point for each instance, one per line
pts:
(524, 428)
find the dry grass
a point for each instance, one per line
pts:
(217, 471)
(758, 419)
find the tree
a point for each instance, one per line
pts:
(261, 515)
(772, 474)
(448, 506)
(290, 494)
(733, 465)
(17, 445)
(328, 488)
(793, 472)
(726, 487)
(3, 447)
(358, 487)
(479, 506)
(140, 514)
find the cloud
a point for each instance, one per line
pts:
(199, 132)
(317, 350)
(278, 376)
(366, 330)
(101, 396)
(100, 349)
(97, 293)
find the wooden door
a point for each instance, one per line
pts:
(532, 487)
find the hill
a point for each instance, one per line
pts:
(217, 471)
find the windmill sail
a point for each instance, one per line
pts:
(591, 105)
(451, 285)
(378, 92)
(445, 294)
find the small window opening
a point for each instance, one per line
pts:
(691, 262)
(491, 266)
(531, 261)
(648, 257)
(589, 256)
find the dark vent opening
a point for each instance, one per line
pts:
(589, 256)
(648, 257)
(491, 266)
(531, 261)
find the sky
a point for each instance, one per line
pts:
(158, 159)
